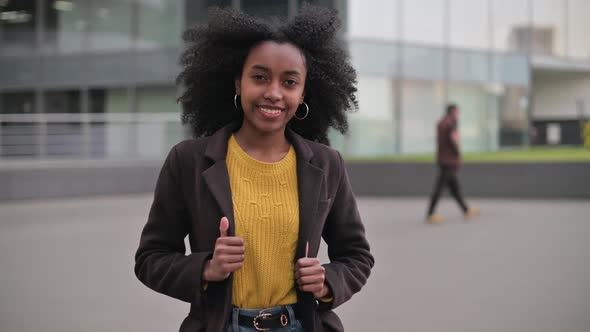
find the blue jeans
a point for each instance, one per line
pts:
(293, 326)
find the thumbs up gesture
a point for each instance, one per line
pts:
(228, 255)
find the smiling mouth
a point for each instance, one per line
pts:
(270, 111)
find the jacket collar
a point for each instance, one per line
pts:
(216, 149)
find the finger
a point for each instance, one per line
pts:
(224, 259)
(231, 241)
(223, 227)
(310, 269)
(310, 280)
(306, 249)
(312, 288)
(223, 249)
(231, 267)
(306, 262)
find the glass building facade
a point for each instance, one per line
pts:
(95, 79)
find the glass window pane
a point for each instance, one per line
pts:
(378, 20)
(510, 69)
(62, 101)
(157, 99)
(548, 31)
(423, 21)
(17, 27)
(109, 24)
(422, 106)
(478, 131)
(265, 8)
(372, 128)
(579, 24)
(510, 22)
(514, 123)
(17, 102)
(424, 63)
(469, 23)
(373, 57)
(153, 32)
(196, 11)
(65, 26)
(468, 66)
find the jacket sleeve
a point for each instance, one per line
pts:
(348, 249)
(160, 261)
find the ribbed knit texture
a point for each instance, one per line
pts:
(266, 211)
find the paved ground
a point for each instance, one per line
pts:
(522, 266)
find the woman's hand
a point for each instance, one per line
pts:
(311, 276)
(228, 255)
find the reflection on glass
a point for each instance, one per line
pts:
(372, 128)
(548, 30)
(423, 21)
(17, 26)
(109, 24)
(579, 24)
(379, 20)
(422, 106)
(265, 8)
(510, 22)
(66, 23)
(469, 23)
(478, 122)
(471, 66)
(157, 99)
(155, 32)
(514, 123)
(374, 58)
(62, 101)
(17, 102)
(424, 63)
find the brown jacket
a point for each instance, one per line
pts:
(193, 193)
(448, 153)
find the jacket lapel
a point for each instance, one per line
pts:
(217, 177)
(217, 180)
(309, 181)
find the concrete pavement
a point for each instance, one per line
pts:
(67, 265)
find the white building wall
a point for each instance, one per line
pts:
(555, 97)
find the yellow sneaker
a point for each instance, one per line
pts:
(471, 213)
(434, 219)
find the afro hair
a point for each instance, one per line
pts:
(216, 53)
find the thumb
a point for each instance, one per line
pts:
(223, 227)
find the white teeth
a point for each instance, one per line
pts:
(270, 111)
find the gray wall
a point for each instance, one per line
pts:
(41, 180)
(502, 180)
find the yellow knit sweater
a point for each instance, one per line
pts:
(266, 212)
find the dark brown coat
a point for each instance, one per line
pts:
(193, 193)
(448, 153)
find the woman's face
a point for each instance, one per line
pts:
(271, 86)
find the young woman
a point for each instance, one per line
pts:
(258, 188)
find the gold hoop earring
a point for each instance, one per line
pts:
(236, 102)
(306, 112)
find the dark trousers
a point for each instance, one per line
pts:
(447, 176)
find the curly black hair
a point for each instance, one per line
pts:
(216, 53)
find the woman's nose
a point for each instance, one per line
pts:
(273, 92)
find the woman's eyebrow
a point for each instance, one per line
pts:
(267, 70)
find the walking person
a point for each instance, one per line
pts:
(448, 157)
(258, 188)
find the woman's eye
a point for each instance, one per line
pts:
(290, 82)
(259, 77)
